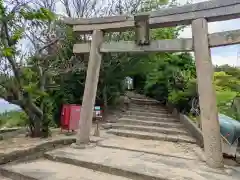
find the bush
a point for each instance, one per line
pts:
(13, 119)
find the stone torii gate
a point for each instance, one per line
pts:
(198, 15)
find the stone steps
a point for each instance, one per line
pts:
(144, 102)
(152, 129)
(157, 106)
(148, 114)
(156, 123)
(134, 165)
(103, 163)
(163, 148)
(152, 136)
(145, 148)
(150, 118)
(148, 110)
(43, 169)
(142, 122)
(107, 160)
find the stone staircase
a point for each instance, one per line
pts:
(146, 143)
(145, 119)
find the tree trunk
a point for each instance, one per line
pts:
(35, 124)
(37, 130)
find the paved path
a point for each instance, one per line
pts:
(138, 160)
(180, 150)
(137, 164)
(43, 169)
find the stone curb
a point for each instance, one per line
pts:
(194, 130)
(39, 148)
(4, 130)
(6, 134)
(14, 175)
(189, 125)
(33, 153)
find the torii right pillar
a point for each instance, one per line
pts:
(207, 94)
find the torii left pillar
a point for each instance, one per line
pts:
(90, 90)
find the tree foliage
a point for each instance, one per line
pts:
(21, 82)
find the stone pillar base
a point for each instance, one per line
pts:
(83, 146)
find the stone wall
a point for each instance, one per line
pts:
(9, 133)
(190, 126)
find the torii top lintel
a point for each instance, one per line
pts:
(215, 10)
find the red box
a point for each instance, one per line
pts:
(70, 117)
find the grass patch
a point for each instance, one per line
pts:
(13, 119)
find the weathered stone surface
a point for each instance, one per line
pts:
(90, 89)
(153, 110)
(153, 129)
(152, 136)
(159, 125)
(147, 107)
(180, 150)
(150, 123)
(146, 101)
(151, 118)
(138, 165)
(4, 178)
(48, 170)
(148, 114)
(34, 150)
(207, 94)
(11, 132)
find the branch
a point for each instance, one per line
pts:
(67, 7)
(7, 43)
(47, 45)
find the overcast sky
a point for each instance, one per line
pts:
(220, 55)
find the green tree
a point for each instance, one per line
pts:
(21, 83)
(227, 83)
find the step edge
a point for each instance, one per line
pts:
(102, 168)
(157, 136)
(8, 173)
(151, 118)
(171, 129)
(148, 152)
(151, 123)
(160, 122)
